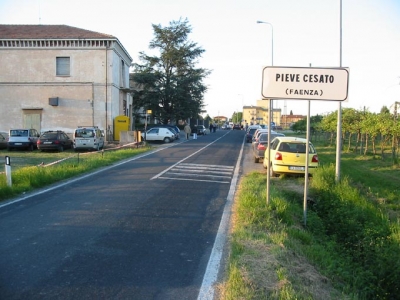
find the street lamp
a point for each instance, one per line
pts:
(270, 110)
(242, 108)
(272, 40)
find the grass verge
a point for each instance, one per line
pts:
(349, 249)
(25, 179)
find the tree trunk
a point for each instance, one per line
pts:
(366, 144)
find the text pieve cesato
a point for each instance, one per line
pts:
(305, 83)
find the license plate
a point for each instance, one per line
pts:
(47, 143)
(84, 141)
(18, 144)
(294, 168)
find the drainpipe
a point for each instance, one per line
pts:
(92, 103)
(107, 129)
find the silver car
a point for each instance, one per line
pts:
(260, 145)
(22, 139)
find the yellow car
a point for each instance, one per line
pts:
(288, 156)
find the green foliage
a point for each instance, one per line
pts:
(301, 125)
(361, 231)
(349, 238)
(237, 117)
(360, 129)
(168, 83)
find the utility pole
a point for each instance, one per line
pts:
(394, 139)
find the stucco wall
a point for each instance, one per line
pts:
(28, 79)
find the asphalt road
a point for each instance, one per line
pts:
(143, 229)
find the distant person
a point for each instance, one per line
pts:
(211, 127)
(187, 130)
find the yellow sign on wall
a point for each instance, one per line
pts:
(121, 123)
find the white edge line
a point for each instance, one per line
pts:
(211, 274)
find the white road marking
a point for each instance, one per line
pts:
(198, 172)
(211, 275)
(182, 160)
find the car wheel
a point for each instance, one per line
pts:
(30, 148)
(265, 163)
(60, 148)
(255, 159)
(167, 140)
(98, 147)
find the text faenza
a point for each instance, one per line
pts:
(304, 92)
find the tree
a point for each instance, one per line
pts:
(237, 117)
(169, 84)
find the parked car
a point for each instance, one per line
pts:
(288, 156)
(201, 130)
(259, 145)
(258, 132)
(22, 139)
(159, 134)
(54, 140)
(88, 138)
(250, 131)
(175, 129)
(3, 140)
(237, 127)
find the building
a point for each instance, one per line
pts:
(58, 77)
(288, 120)
(220, 119)
(258, 114)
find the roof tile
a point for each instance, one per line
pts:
(49, 32)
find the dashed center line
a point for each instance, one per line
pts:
(199, 172)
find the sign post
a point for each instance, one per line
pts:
(8, 171)
(305, 84)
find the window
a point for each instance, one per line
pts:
(62, 66)
(122, 75)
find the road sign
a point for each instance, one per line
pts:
(305, 83)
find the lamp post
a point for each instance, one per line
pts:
(270, 109)
(272, 40)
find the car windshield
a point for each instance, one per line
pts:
(19, 133)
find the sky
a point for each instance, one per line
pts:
(300, 33)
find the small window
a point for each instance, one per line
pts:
(62, 66)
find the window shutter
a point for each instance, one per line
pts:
(63, 66)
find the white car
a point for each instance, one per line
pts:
(22, 139)
(159, 134)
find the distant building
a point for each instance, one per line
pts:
(58, 77)
(220, 119)
(288, 120)
(258, 114)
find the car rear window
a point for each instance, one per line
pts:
(49, 135)
(252, 130)
(295, 147)
(18, 132)
(84, 133)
